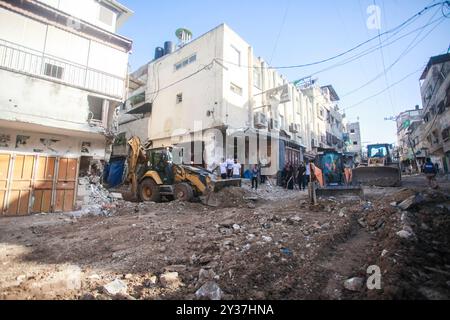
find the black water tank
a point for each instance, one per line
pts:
(159, 52)
(169, 47)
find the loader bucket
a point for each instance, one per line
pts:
(377, 176)
(210, 199)
(221, 184)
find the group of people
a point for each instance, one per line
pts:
(230, 169)
(296, 176)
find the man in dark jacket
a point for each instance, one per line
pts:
(430, 171)
(301, 176)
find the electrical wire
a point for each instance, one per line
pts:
(368, 51)
(402, 25)
(383, 60)
(408, 49)
(281, 30)
(384, 90)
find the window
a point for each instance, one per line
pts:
(236, 89)
(106, 15)
(257, 77)
(352, 131)
(53, 71)
(355, 143)
(179, 98)
(235, 56)
(185, 62)
(95, 108)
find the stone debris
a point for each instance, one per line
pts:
(170, 280)
(412, 201)
(354, 284)
(116, 287)
(209, 290)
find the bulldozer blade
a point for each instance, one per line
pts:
(377, 176)
(221, 184)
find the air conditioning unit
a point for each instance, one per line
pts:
(260, 120)
(294, 128)
(275, 124)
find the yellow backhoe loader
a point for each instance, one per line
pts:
(153, 175)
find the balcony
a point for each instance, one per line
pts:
(20, 59)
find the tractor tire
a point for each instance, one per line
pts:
(149, 191)
(183, 192)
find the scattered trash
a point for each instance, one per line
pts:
(287, 252)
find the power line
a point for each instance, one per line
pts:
(384, 65)
(384, 90)
(402, 55)
(207, 67)
(281, 30)
(369, 51)
(402, 25)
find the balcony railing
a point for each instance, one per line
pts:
(21, 59)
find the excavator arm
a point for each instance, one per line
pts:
(136, 155)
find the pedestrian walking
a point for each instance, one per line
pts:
(430, 171)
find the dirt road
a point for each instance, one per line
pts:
(266, 245)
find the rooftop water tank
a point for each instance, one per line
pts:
(169, 47)
(159, 52)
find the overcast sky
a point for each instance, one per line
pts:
(293, 32)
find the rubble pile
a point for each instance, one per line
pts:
(412, 229)
(94, 199)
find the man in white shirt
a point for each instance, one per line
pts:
(307, 175)
(224, 169)
(237, 170)
(230, 164)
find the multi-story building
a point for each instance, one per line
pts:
(435, 90)
(354, 144)
(407, 122)
(63, 70)
(216, 82)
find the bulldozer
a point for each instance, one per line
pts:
(380, 169)
(331, 176)
(153, 175)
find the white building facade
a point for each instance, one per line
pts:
(216, 82)
(63, 70)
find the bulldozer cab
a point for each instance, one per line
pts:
(332, 166)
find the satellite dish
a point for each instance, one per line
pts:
(184, 35)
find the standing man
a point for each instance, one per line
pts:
(307, 176)
(300, 177)
(224, 169)
(237, 170)
(230, 164)
(255, 177)
(430, 171)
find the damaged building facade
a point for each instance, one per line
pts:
(63, 70)
(216, 84)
